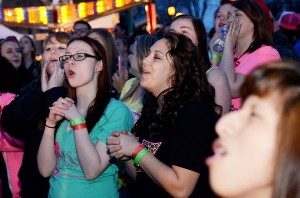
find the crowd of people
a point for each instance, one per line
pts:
(108, 114)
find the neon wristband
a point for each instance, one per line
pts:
(77, 121)
(79, 126)
(139, 156)
(137, 150)
(121, 181)
(217, 57)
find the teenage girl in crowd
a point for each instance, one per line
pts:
(194, 29)
(24, 118)
(132, 93)
(248, 44)
(13, 73)
(221, 19)
(28, 50)
(108, 42)
(176, 125)
(73, 148)
(257, 154)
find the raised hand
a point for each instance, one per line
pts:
(233, 33)
(120, 78)
(65, 107)
(61, 109)
(54, 80)
(57, 78)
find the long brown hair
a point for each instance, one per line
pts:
(98, 105)
(200, 32)
(281, 79)
(110, 48)
(262, 33)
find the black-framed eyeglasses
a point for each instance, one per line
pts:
(76, 57)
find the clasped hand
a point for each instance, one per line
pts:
(121, 145)
(63, 108)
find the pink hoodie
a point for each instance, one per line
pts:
(12, 151)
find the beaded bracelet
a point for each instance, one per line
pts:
(77, 121)
(137, 150)
(79, 126)
(217, 57)
(139, 156)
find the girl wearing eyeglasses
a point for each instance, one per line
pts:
(73, 148)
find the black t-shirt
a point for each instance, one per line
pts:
(185, 143)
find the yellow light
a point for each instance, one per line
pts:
(31, 15)
(19, 15)
(171, 10)
(100, 6)
(43, 18)
(82, 10)
(119, 3)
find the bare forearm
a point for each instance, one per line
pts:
(46, 155)
(89, 159)
(130, 169)
(227, 65)
(171, 180)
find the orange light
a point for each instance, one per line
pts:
(151, 17)
(90, 8)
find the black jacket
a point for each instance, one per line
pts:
(24, 119)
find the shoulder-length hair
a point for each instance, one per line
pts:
(262, 34)
(33, 52)
(143, 44)
(188, 83)
(61, 37)
(282, 80)
(110, 48)
(201, 36)
(98, 105)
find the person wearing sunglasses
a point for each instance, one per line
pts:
(73, 148)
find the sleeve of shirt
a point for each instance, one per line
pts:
(194, 134)
(22, 115)
(261, 56)
(117, 117)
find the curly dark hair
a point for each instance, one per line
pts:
(188, 83)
